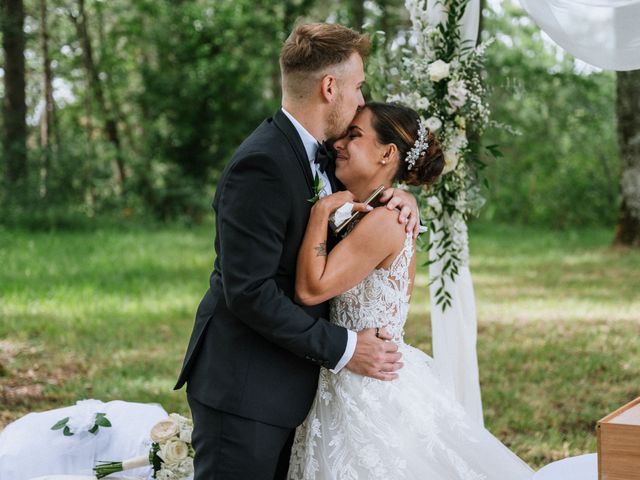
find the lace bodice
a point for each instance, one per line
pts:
(380, 300)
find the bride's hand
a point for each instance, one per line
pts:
(331, 203)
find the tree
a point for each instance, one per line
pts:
(15, 109)
(628, 111)
(79, 19)
(47, 123)
(560, 170)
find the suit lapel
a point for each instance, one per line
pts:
(286, 127)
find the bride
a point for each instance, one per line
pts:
(359, 427)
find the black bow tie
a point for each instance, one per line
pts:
(324, 155)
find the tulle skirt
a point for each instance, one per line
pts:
(410, 428)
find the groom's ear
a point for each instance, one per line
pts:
(328, 87)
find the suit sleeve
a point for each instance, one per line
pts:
(253, 212)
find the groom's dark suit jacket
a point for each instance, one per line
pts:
(253, 351)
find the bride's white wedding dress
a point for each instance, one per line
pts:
(410, 428)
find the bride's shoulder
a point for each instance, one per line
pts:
(382, 224)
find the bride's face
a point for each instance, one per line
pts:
(360, 155)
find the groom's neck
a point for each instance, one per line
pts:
(310, 117)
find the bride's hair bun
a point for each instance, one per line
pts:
(398, 124)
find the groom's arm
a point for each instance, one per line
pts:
(253, 212)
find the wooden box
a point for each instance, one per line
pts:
(619, 444)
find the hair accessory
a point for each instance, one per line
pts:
(420, 146)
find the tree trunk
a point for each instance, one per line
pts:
(110, 123)
(47, 124)
(628, 110)
(15, 107)
(357, 14)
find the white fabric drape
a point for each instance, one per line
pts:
(454, 330)
(604, 33)
(454, 335)
(29, 448)
(470, 20)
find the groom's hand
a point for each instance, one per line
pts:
(375, 357)
(408, 205)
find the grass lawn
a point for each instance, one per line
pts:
(107, 315)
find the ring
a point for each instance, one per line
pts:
(378, 332)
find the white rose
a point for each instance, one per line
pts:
(164, 474)
(164, 430)
(450, 161)
(457, 93)
(176, 417)
(394, 71)
(174, 451)
(438, 70)
(422, 103)
(185, 467)
(433, 124)
(458, 140)
(185, 435)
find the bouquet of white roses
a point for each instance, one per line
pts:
(171, 453)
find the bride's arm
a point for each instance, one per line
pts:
(320, 276)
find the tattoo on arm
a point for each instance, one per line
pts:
(321, 250)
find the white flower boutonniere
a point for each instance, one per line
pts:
(318, 188)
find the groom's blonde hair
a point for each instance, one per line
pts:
(312, 50)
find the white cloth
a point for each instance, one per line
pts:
(604, 33)
(29, 448)
(311, 147)
(468, 25)
(407, 429)
(582, 467)
(454, 331)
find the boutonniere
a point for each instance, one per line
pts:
(318, 188)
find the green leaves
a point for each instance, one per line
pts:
(318, 187)
(100, 421)
(62, 424)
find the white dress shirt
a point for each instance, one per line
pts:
(311, 147)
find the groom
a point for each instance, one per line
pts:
(253, 359)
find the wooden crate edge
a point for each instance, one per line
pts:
(617, 412)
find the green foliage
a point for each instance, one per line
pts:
(187, 81)
(562, 169)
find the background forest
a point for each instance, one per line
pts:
(133, 108)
